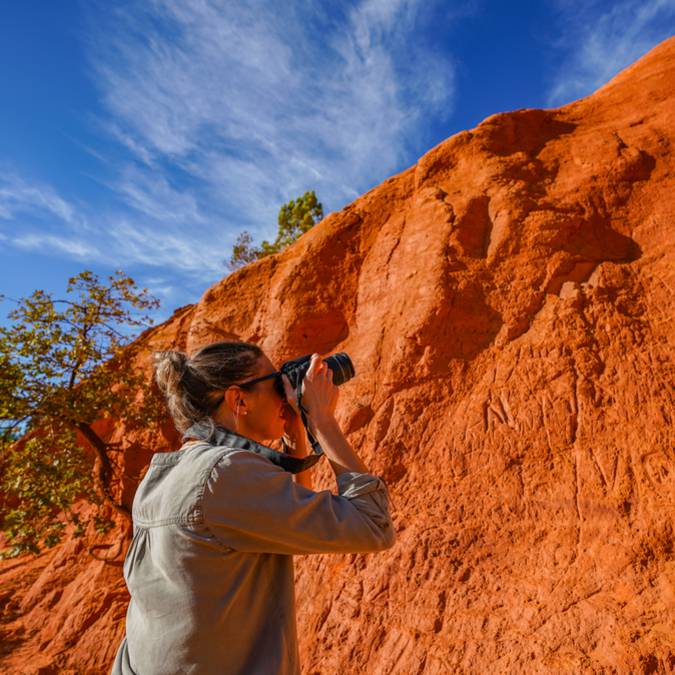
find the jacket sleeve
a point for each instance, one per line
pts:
(252, 505)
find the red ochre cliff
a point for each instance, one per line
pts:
(508, 305)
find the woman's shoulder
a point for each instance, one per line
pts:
(199, 461)
(237, 460)
(237, 469)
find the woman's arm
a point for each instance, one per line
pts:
(253, 505)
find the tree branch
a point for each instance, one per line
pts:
(102, 468)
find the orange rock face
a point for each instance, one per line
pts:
(508, 305)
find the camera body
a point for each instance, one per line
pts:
(340, 364)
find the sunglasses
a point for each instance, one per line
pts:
(278, 385)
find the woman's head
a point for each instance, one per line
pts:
(201, 386)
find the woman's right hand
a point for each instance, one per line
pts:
(319, 394)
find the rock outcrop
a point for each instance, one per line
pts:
(508, 303)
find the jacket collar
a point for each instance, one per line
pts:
(210, 432)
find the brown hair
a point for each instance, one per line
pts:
(188, 382)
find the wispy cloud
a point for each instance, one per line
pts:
(152, 194)
(160, 286)
(177, 251)
(20, 197)
(78, 249)
(215, 113)
(257, 102)
(598, 40)
(39, 219)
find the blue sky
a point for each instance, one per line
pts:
(146, 135)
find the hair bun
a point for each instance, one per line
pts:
(177, 358)
(170, 366)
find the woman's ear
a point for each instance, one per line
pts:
(233, 398)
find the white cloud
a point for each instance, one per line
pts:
(159, 286)
(216, 113)
(258, 102)
(171, 249)
(599, 40)
(48, 243)
(19, 197)
(41, 220)
(152, 194)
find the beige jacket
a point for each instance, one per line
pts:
(210, 566)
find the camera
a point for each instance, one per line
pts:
(340, 364)
(342, 368)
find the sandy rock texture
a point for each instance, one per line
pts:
(508, 303)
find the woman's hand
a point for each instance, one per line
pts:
(319, 394)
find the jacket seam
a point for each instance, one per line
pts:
(195, 514)
(198, 508)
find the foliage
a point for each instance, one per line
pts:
(295, 218)
(64, 364)
(45, 478)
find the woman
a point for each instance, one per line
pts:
(216, 523)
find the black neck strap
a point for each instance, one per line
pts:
(219, 435)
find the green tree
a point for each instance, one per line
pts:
(295, 218)
(64, 364)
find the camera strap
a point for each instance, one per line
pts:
(316, 447)
(223, 436)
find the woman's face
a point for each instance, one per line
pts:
(260, 414)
